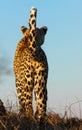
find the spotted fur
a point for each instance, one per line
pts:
(31, 69)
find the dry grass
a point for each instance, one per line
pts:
(10, 120)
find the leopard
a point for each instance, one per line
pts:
(31, 69)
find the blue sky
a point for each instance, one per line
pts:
(63, 46)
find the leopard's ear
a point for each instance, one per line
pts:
(24, 29)
(44, 29)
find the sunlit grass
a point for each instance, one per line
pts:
(11, 120)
